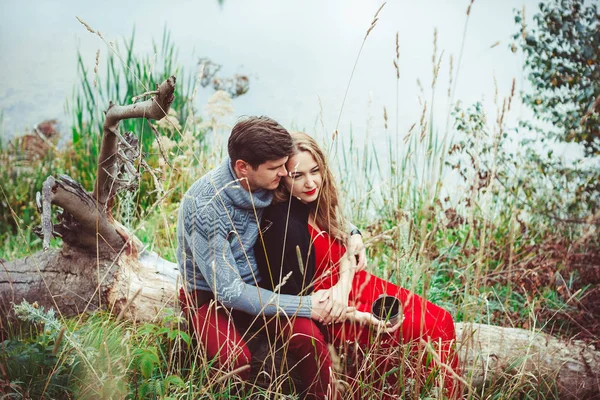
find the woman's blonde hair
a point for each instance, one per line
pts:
(326, 209)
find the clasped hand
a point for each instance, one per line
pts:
(333, 302)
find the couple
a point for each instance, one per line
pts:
(263, 237)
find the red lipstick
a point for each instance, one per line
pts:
(311, 192)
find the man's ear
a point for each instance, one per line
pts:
(241, 167)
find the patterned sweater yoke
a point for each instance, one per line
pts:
(217, 227)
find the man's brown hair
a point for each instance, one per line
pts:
(257, 140)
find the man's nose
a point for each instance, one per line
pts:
(282, 172)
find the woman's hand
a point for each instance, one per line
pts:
(365, 318)
(357, 248)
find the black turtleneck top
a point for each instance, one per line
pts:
(284, 227)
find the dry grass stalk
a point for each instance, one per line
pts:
(96, 68)
(284, 280)
(523, 23)
(397, 60)
(469, 8)
(397, 67)
(58, 341)
(423, 123)
(374, 22)
(89, 28)
(450, 72)
(409, 134)
(512, 93)
(385, 118)
(160, 148)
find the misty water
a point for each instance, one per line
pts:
(298, 55)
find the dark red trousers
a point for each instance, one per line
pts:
(221, 333)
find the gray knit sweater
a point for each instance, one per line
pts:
(216, 231)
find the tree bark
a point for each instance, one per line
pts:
(73, 282)
(83, 224)
(494, 355)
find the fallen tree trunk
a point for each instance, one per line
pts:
(142, 288)
(73, 282)
(493, 356)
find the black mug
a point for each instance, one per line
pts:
(386, 308)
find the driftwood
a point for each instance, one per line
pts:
(100, 263)
(103, 266)
(492, 355)
(86, 222)
(73, 282)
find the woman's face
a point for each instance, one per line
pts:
(304, 177)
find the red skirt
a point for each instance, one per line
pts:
(421, 320)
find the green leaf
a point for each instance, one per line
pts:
(185, 337)
(175, 380)
(147, 362)
(145, 390)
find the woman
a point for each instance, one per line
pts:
(302, 250)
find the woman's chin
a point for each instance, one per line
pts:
(310, 200)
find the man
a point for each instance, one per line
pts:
(218, 225)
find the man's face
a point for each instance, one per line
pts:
(267, 175)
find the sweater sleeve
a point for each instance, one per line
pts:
(211, 241)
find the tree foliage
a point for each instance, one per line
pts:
(562, 62)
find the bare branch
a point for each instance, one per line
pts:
(139, 96)
(155, 108)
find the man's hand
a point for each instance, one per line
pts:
(337, 295)
(333, 303)
(357, 247)
(321, 307)
(339, 301)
